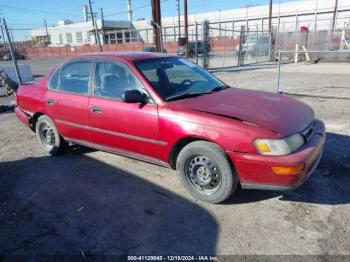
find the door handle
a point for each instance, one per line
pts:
(50, 101)
(95, 110)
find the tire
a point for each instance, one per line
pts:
(48, 136)
(205, 172)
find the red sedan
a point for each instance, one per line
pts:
(166, 110)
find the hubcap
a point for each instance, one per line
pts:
(203, 174)
(47, 135)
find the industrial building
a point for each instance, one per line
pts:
(67, 33)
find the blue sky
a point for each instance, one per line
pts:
(26, 14)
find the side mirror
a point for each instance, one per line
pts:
(134, 96)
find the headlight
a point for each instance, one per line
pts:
(279, 147)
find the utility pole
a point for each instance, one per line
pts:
(270, 16)
(14, 60)
(157, 25)
(129, 11)
(47, 34)
(179, 17)
(3, 35)
(315, 22)
(97, 38)
(102, 26)
(186, 28)
(334, 15)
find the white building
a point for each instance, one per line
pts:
(67, 33)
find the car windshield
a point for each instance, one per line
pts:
(177, 78)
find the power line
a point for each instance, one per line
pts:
(136, 8)
(35, 10)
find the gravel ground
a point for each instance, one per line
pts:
(88, 202)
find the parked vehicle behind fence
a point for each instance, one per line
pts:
(152, 49)
(7, 56)
(255, 45)
(192, 47)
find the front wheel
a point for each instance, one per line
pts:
(48, 136)
(205, 172)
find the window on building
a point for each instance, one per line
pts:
(127, 37)
(69, 38)
(60, 39)
(79, 37)
(120, 38)
(112, 38)
(89, 38)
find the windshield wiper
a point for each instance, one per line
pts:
(193, 94)
(215, 89)
(184, 95)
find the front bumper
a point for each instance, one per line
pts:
(255, 171)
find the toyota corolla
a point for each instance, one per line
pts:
(165, 110)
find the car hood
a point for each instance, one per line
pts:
(278, 113)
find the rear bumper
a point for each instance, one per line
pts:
(255, 171)
(23, 117)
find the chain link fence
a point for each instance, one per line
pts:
(211, 45)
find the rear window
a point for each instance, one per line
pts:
(72, 77)
(53, 83)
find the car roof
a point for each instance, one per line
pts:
(127, 56)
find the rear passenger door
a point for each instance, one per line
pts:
(127, 128)
(67, 98)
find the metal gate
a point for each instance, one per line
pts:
(231, 47)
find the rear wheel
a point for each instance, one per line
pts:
(205, 172)
(48, 136)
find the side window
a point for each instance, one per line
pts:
(54, 80)
(152, 75)
(112, 79)
(74, 77)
